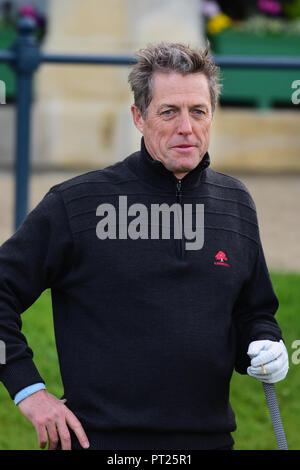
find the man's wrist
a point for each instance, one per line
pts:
(27, 391)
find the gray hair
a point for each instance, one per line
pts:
(170, 57)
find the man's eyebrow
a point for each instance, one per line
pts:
(166, 105)
(198, 105)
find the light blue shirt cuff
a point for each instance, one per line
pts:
(25, 392)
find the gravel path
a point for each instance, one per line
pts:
(277, 199)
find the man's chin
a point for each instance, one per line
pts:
(182, 171)
(185, 168)
(182, 164)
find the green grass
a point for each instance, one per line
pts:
(254, 427)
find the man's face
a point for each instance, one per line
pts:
(177, 126)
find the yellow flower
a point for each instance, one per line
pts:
(218, 23)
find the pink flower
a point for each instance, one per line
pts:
(271, 7)
(28, 10)
(210, 8)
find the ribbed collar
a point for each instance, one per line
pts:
(155, 173)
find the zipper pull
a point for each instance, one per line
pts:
(178, 190)
(178, 185)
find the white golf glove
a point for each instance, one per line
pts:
(269, 360)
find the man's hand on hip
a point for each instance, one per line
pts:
(269, 360)
(51, 419)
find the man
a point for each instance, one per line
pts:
(150, 322)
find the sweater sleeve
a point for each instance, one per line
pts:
(254, 311)
(33, 259)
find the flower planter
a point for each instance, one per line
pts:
(7, 37)
(258, 87)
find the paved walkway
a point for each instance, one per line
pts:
(277, 200)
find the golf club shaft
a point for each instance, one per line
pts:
(271, 398)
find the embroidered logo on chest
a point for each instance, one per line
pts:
(221, 259)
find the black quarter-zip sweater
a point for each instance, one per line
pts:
(148, 333)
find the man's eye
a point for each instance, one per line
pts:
(198, 111)
(168, 112)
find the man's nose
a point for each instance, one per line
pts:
(184, 125)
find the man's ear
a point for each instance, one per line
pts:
(137, 118)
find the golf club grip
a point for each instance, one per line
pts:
(271, 398)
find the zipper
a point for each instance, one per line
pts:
(179, 201)
(179, 191)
